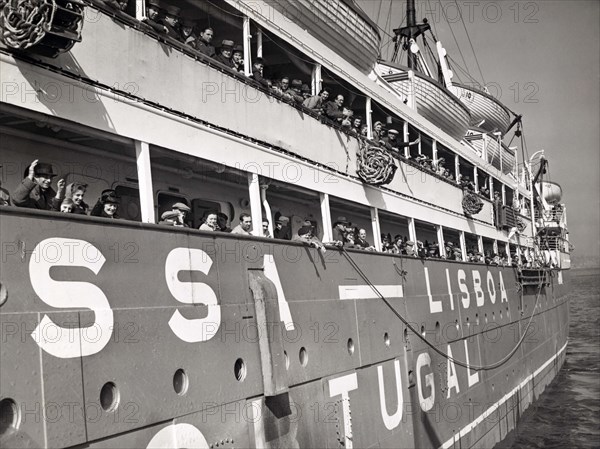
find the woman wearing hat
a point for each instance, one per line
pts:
(107, 205)
(35, 191)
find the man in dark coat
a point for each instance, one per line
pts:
(224, 56)
(257, 73)
(171, 22)
(339, 230)
(35, 189)
(152, 19)
(282, 229)
(187, 35)
(203, 44)
(334, 109)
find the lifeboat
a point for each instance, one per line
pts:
(487, 113)
(340, 24)
(551, 191)
(433, 101)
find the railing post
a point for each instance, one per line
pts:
(434, 152)
(376, 228)
(144, 173)
(491, 179)
(480, 244)
(476, 179)
(503, 194)
(495, 246)
(326, 217)
(255, 204)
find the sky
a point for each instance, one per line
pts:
(542, 60)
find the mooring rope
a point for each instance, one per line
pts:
(439, 351)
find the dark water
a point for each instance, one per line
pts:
(567, 415)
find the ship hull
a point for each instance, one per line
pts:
(118, 334)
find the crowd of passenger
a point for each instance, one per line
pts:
(166, 19)
(35, 191)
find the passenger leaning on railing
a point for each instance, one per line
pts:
(203, 44)
(210, 222)
(35, 189)
(186, 32)
(152, 19)
(171, 22)
(224, 53)
(257, 73)
(107, 205)
(237, 58)
(317, 102)
(76, 191)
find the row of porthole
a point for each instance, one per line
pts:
(110, 395)
(467, 323)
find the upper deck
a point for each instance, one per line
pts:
(167, 95)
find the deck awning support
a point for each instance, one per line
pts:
(369, 118)
(441, 244)
(412, 231)
(476, 179)
(376, 228)
(316, 79)
(255, 203)
(247, 43)
(326, 217)
(144, 173)
(463, 245)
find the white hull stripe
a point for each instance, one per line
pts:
(465, 430)
(367, 292)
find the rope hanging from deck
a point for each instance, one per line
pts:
(24, 23)
(375, 165)
(471, 203)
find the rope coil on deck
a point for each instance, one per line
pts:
(375, 165)
(24, 23)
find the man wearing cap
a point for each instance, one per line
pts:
(181, 209)
(186, 34)
(169, 218)
(224, 56)
(282, 229)
(339, 231)
(35, 191)
(152, 19)
(392, 143)
(245, 226)
(306, 235)
(203, 44)
(237, 58)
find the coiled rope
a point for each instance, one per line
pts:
(376, 166)
(24, 23)
(439, 351)
(471, 203)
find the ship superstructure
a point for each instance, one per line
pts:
(127, 333)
